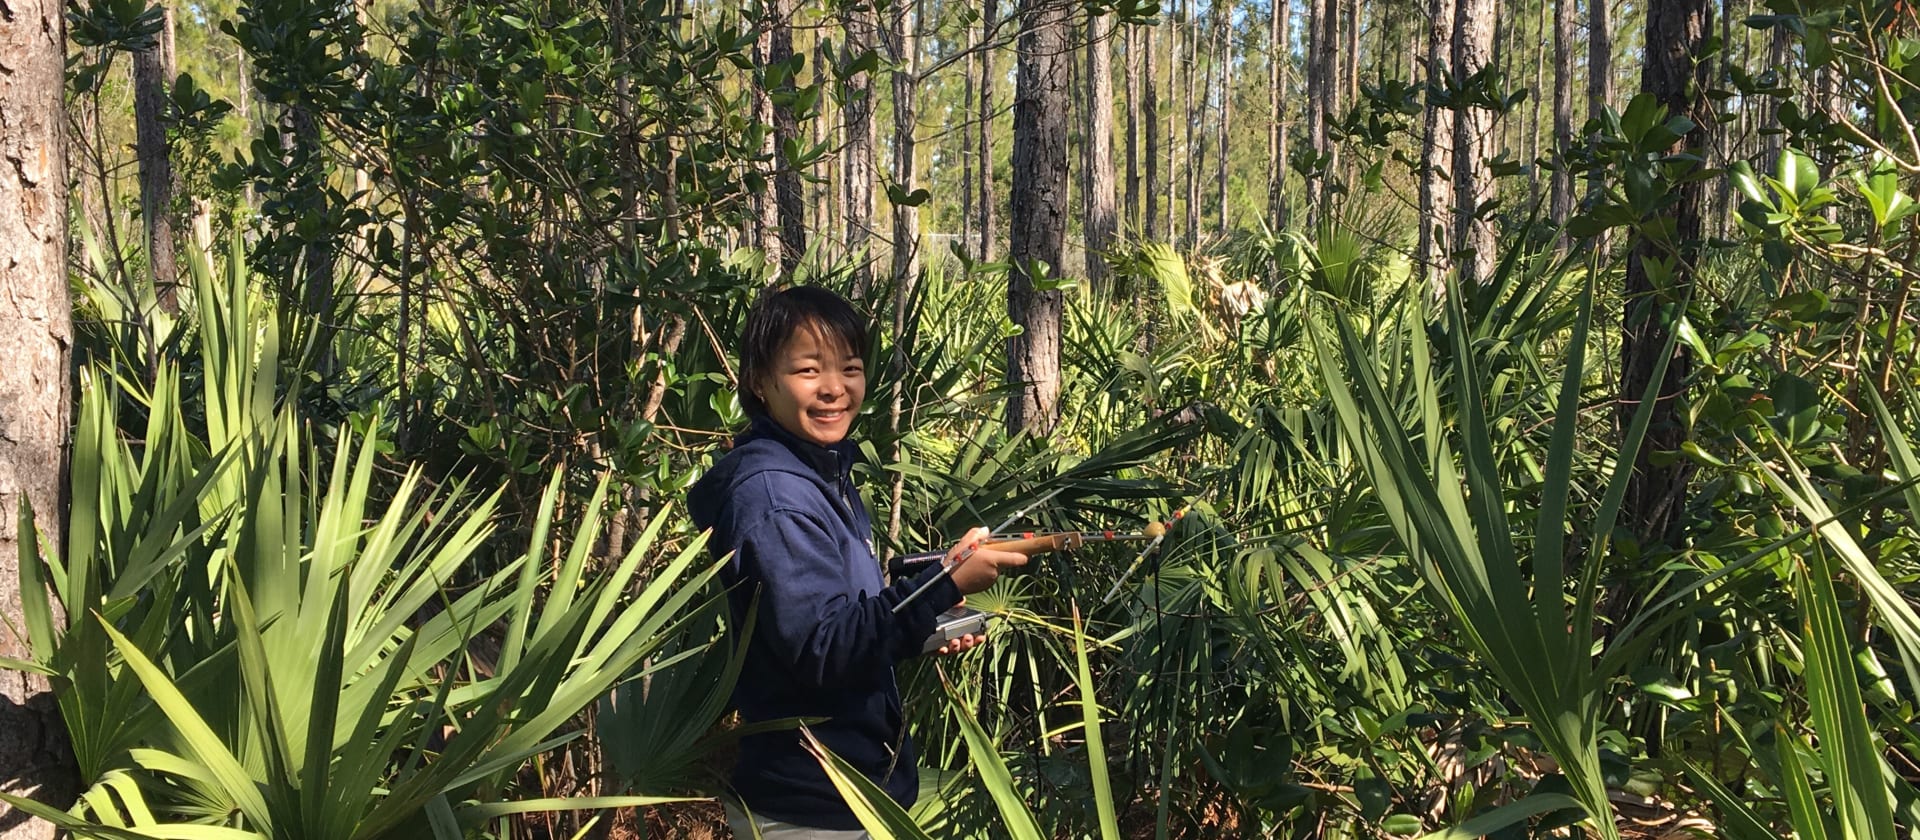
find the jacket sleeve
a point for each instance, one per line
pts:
(812, 614)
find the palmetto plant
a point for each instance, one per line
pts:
(1451, 512)
(259, 648)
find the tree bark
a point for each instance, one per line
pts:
(967, 110)
(989, 28)
(1223, 54)
(1130, 204)
(1474, 140)
(1560, 201)
(1039, 216)
(1599, 80)
(1101, 220)
(1350, 87)
(789, 193)
(1433, 252)
(152, 77)
(1537, 101)
(828, 193)
(1277, 58)
(1191, 105)
(1656, 491)
(1317, 96)
(1778, 56)
(36, 338)
(766, 206)
(906, 217)
(858, 161)
(1150, 118)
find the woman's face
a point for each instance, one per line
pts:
(814, 386)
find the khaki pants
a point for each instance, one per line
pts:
(745, 828)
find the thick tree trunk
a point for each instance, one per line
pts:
(1101, 220)
(1150, 119)
(1656, 491)
(1317, 96)
(1223, 53)
(1433, 252)
(858, 161)
(152, 79)
(36, 337)
(789, 193)
(1474, 140)
(1560, 202)
(1039, 216)
(906, 217)
(989, 29)
(1599, 78)
(1278, 52)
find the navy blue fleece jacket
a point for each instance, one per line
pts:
(826, 637)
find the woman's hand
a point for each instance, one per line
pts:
(976, 567)
(966, 642)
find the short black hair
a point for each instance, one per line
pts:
(777, 316)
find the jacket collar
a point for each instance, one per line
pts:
(832, 463)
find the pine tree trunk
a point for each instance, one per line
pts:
(1561, 199)
(1599, 78)
(1537, 101)
(789, 192)
(1038, 216)
(1677, 32)
(828, 192)
(152, 79)
(1317, 95)
(1350, 88)
(858, 163)
(1433, 253)
(1191, 105)
(1722, 213)
(1224, 55)
(36, 336)
(766, 205)
(1474, 144)
(1130, 205)
(1778, 58)
(967, 110)
(1100, 223)
(1150, 124)
(906, 217)
(1277, 54)
(990, 28)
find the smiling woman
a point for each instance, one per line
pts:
(827, 628)
(814, 385)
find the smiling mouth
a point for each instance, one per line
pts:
(828, 416)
